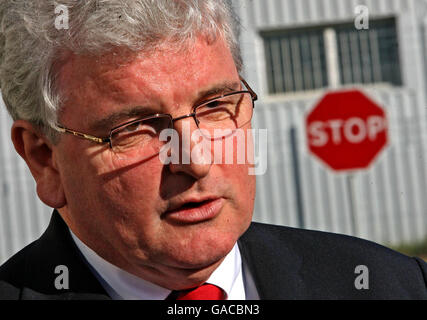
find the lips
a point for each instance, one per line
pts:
(194, 211)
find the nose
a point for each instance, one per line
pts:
(195, 151)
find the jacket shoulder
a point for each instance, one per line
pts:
(31, 273)
(14, 270)
(329, 261)
(13, 273)
(321, 242)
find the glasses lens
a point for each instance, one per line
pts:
(141, 136)
(226, 113)
(141, 139)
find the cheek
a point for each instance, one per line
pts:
(105, 180)
(244, 186)
(132, 184)
(237, 173)
(129, 196)
(241, 193)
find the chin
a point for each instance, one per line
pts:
(208, 249)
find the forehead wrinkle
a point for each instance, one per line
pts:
(108, 63)
(155, 79)
(99, 90)
(87, 67)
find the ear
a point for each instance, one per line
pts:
(38, 153)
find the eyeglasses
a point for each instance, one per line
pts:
(221, 115)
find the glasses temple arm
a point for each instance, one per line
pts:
(82, 135)
(254, 95)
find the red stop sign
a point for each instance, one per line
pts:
(346, 130)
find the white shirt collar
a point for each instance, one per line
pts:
(120, 284)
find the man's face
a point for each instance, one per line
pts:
(121, 208)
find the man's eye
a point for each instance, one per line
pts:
(133, 127)
(213, 104)
(140, 129)
(135, 134)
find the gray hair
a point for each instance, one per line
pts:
(31, 44)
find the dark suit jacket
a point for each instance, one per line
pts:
(286, 263)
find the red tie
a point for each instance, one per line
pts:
(204, 292)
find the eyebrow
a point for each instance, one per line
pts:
(115, 118)
(220, 89)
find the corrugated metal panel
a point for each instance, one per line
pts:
(279, 13)
(389, 204)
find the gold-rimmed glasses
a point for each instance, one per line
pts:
(229, 111)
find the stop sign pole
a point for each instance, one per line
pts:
(346, 131)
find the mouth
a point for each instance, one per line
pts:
(195, 211)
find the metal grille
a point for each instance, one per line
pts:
(369, 56)
(296, 59)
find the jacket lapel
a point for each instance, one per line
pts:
(56, 248)
(273, 265)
